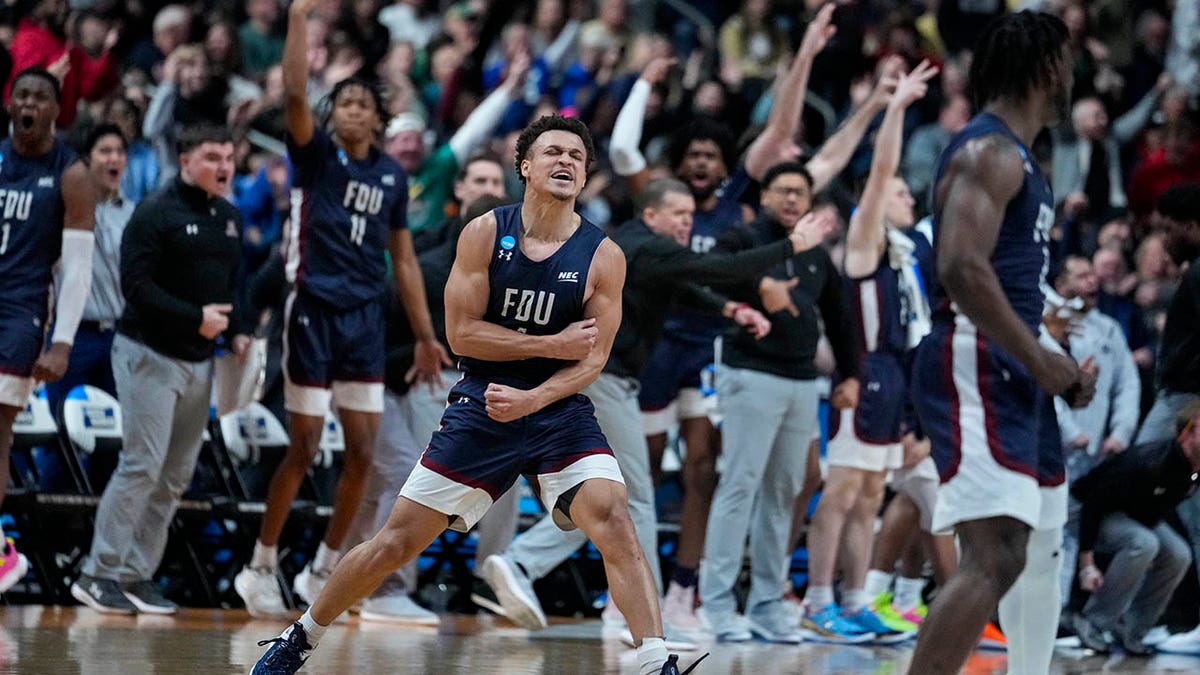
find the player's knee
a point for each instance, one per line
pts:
(393, 547)
(611, 526)
(838, 496)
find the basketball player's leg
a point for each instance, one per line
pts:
(304, 437)
(598, 509)
(361, 430)
(20, 345)
(858, 536)
(812, 483)
(993, 556)
(8, 416)
(410, 529)
(842, 486)
(699, 483)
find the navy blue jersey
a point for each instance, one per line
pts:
(343, 211)
(879, 310)
(707, 228)
(31, 224)
(533, 297)
(1021, 257)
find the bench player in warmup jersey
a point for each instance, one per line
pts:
(348, 213)
(47, 210)
(532, 306)
(866, 442)
(984, 381)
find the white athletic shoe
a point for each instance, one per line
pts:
(259, 589)
(1182, 643)
(679, 608)
(397, 608)
(309, 582)
(515, 592)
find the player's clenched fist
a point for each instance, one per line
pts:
(575, 341)
(505, 404)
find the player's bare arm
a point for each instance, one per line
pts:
(295, 73)
(606, 279)
(79, 218)
(982, 178)
(430, 356)
(466, 302)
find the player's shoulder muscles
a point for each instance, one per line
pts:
(989, 166)
(476, 242)
(607, 272)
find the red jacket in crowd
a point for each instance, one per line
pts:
(88, 79)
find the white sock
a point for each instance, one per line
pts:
(854, 600)
(326, 558)
(818, 597)
(312, 629)
(908, 593)
(1029, 611)
(652, 654)
(265, 557)
(878, 582)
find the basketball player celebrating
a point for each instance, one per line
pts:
(48, 212)
(865, 442)
(532, 305)
(348, 209)
(984, 383)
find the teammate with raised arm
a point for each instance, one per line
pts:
(984, 382)
(532, 305)
(48, 215)
(348, 212)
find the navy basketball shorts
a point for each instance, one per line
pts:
(670, 385)
(993, 432)
(21, 338)
(472, 459)
(332, 354)
(867, 437)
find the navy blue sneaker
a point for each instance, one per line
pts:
(286, 654)
(671, 667)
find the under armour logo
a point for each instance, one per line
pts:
(1160, 491)
(463, 399)
(192, 229)
(504, 255)
(874, 386)
(303, 320)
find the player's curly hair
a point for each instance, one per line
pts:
(324, 111)
(553, 123)
(703, 129)
(1016, 53)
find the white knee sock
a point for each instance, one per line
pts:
(312, 629)
(265, 557)
(652, 654)
(326, 558)
(908, 593)
(878, 582)
(1029, 611)
(818, 597)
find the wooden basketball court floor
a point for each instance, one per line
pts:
(73, 640)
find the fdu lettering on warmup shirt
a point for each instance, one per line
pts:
(343, 213)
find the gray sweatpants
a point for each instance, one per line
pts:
(543, 547)
(768, 424)
(164, 409)
(1147, 566)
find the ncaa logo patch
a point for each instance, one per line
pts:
(507, 242)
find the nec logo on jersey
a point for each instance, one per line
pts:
(47, 181)
(388, 179)
(572, 277)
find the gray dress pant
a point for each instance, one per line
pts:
(1159, 425)
(164, 410)
(768, 424)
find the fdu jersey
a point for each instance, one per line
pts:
(31, 224)
(1021, 257)
(880, 310)
(343, 211)
(707, 228)
(533, 297)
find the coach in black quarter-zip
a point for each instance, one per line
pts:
(179, 269)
